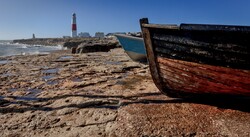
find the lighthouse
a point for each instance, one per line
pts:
(73, 31)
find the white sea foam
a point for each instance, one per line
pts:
(8, 49)
(24, 46)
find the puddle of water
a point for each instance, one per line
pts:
(46, 78)
(4, 61)
(113, 62)
(65, 57)
(52, 82)
(12, 89)
(50, 71)
(7, 75)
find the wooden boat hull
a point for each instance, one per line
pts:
(198, 59)
(134, 47)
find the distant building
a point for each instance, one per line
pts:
(33, 36)
(99, 35)
(66, 37)
(84, 35)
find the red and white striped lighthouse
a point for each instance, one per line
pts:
(73, 31)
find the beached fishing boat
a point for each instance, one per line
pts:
(193, 59)
(134, 47)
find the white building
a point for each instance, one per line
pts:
(99, 34)
(84, 35)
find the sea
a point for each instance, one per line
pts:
(7, 48)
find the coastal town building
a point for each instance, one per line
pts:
(66, 37)
(99, 35)
(84, 35)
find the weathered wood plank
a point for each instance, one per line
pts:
(235, 55)
(196, 83)
(193, 79)
(190, 43)
(169, 26)
(207, 27)
(218, 60)
(219, 70)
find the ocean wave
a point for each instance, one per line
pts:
(34, 53)
(18, 44)
(24, 49)
(5, 42)
(59, 46)
(37, 45)
(24, 46)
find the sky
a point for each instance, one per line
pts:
(19, 19)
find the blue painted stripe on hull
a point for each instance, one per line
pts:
(133, 44)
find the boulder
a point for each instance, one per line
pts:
(71, 44)
(96, 47)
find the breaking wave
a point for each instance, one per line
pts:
(8, 49)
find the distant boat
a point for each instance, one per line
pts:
(195, 59)
(134, 47)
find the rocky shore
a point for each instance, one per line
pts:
(43, 41)
(103, 94)
(79, 45)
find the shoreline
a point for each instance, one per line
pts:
(38, 54)
(11, 49)
(65, 42)
(77, 45)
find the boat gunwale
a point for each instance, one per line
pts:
(200, 27)
(128, 36)
(159, 26)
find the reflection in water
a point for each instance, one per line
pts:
(65, 57)
(46, 78)
(52, 82)
(3, 62)
(50, 71)
(113, 62)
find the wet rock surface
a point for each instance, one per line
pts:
(103, 94)
(96, 47)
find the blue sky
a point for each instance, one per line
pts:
(52, 18)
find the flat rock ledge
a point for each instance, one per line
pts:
(104, 94)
